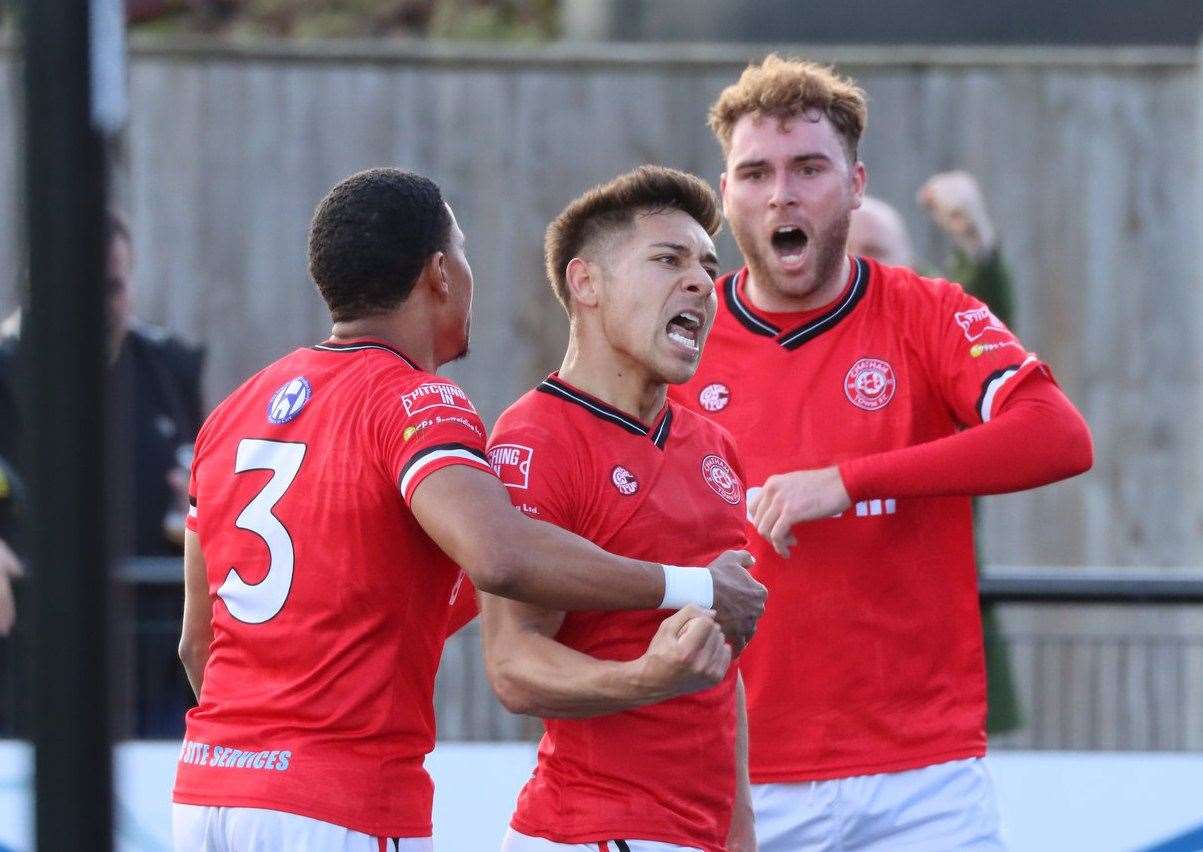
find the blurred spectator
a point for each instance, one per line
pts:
(154, 387)
(955, 203)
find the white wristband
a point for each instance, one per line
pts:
(684, 586)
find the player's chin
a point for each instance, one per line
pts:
(678, 369)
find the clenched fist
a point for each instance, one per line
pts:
(687, 654)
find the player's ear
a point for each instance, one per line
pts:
(582, 279)
(434, 275)
(860, 182)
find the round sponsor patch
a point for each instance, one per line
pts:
(870, 384)
(714, 397)
(289, 400)
(624, 480)
(721, 479)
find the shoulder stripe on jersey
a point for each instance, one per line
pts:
(359, 347)
(753, 323)
(599, 409)
(439, 452)
(794, 339)
(993, 384)
(622, 846)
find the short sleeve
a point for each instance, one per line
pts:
(537, 472)
(425, 425)
(200, 447)
(975, 359)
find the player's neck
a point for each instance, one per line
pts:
(614, 379)
(416, 344)
(773, 300)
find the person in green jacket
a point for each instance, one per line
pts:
(955, 203)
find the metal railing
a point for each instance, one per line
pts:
(1099, 658)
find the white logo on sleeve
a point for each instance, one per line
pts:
(287, 402)
(512, 464)
(436, 394)
(977, 322)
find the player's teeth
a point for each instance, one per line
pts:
(683, 340)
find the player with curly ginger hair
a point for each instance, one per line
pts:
(870, 404)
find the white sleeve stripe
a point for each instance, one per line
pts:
(440, 455)
(995, 386)
(192, 511)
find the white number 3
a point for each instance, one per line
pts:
(260, 602)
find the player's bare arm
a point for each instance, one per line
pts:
(535, 675)
(742, 837)
(469, 515)
(1036, 438)
(197, 632)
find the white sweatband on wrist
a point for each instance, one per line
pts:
(685, 586)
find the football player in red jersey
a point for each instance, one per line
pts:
(332, 495)
(642, 710)
(869, 405)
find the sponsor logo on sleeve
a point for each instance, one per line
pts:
(624, 481)
(714, 397)
(511, 462)
(287, 402)
(721, 479)
(870, 384)
(977, 350)
(436, 395)
(977, 322)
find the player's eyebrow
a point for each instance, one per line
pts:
(708, 257)
(764, 163)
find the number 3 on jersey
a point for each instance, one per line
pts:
(260, 602)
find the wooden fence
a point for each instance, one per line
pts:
(1090, 160)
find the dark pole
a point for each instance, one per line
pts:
(64, 355)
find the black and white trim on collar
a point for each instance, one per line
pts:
(330, 346)
(659, 435)
(795, 337)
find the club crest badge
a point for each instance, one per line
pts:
(870, 384)
(721, 479)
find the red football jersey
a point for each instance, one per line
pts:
(670, 493)
(869, 656)
(329, 600)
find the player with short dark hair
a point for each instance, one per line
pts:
(642, 708)
(870, 404)
(333, 495)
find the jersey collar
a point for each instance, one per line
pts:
(794, 337)
(362, 343)
(657, 433)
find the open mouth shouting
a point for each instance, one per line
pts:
(789, 244)
(684, 331)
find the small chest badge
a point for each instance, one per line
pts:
(870, 384)
(624, 481)
(287, 402)
(721, 479)
(714, 397)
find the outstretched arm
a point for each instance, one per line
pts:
(469, 516)
(535, 675)
(1037, 437)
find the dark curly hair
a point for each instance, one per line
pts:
(370, 237)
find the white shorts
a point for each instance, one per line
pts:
(942, 807)
(515, 842)
(201, 828)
